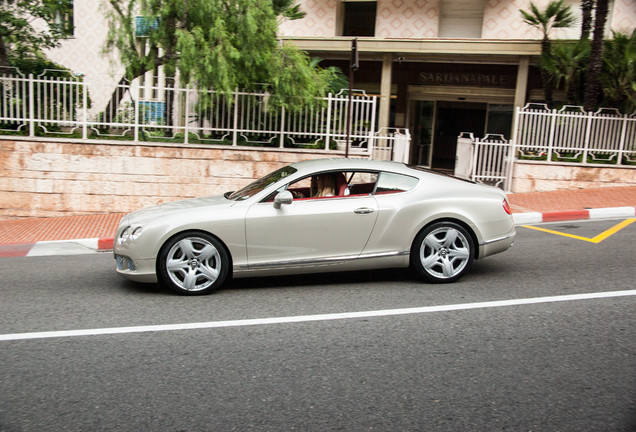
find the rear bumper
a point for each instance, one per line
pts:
(497, 245)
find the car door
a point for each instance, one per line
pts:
(309, 230)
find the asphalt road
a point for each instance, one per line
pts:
(438, 359)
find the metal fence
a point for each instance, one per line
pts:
(573, 135)
(569, 135)
(57, 104)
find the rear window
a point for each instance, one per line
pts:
(392, 182)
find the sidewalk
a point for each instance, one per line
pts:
(81, 234)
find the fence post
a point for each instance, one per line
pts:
(136, 111)
(513, 151)
(282, 127)
(475, 156)
(553, 115)
(621, 147)
(235, 122)
(372, 128)
(85, 110)
(31, 107)
(328, 121)
(186, 111)
(588, 131)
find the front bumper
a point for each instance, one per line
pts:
(136, 270)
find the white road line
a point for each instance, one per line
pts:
(309, 318)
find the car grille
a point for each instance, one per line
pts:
(124, 263)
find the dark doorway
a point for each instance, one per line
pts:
(452, 119)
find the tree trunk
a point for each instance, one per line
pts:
(593, 84)
(168, 132)
(586, 18)
(546, 79)
(4, 58)
(110, 112)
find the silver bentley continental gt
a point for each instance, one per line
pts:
(318, 216)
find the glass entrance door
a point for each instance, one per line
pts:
(421, 126)
(451, 119)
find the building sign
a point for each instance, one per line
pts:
(473, 79)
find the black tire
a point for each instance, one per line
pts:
(442, 252)
(193, 263)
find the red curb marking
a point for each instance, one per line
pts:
(557, 216)
(105, 244)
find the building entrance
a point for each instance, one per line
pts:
(452, 119)
(435, 126)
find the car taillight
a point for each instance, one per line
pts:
(506, 207)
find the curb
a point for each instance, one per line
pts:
(95, 245)
(571, 215)
(57, 247)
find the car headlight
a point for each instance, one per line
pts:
(135, 232)
(129, 233)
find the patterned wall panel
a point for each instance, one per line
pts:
(502, 20)
(319, 21)
(395, 19)
(623, 17)
(407, 19)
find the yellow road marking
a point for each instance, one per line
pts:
(599, 238)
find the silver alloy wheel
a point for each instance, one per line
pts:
(193, 264)
(445, 252)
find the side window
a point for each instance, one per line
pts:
(359, 18)
(361, 183)
(391, 183)
(331, 184)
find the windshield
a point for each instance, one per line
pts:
(260, 184)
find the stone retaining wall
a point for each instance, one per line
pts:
(40, 179)
(60, 178)
(538, 177)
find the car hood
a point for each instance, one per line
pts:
(171, 208)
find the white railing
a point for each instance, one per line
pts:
(60, 106)
(573, 135)
(492, 160)
(568, 135)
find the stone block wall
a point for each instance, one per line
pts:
(536, 177)
(61, 178)
(39, 179)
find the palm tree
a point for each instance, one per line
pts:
(586, 21)
(618, 77)
(556, 15)
(568, 63)
(593, 85)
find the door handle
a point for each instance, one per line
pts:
(363, 210)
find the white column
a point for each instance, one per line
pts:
(385, 91)
(522, 82)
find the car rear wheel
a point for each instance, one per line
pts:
(443, 252)
(193, 263)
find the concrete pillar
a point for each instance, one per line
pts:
(385, 91)
(522, 82)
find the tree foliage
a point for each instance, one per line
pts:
(556, 15)
(618, 76)
(567, 65)
(29, 26)
(219, 44)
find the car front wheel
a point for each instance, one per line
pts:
(443, 252)
(193, 263)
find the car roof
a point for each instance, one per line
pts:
(351, 164)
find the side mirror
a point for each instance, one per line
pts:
(284, 197)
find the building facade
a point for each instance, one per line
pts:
(440, 67)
